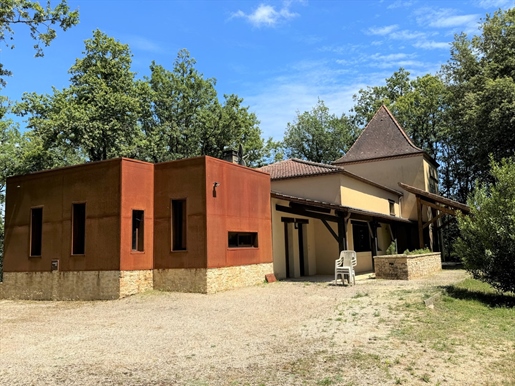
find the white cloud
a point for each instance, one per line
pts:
(445, 18)
(382, 31)
(143, 44)
(494, 3)
(401, 4)
(267, 15)
(430, 45)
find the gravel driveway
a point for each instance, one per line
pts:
(289, 332)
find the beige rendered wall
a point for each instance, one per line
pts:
(389, 172)
(358, 194)
(279, 248)
(322, 188)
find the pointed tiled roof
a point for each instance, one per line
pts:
(298, 168)
(383, 137)
(295, 168)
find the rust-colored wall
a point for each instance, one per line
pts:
(137, 182)
(96, 184)
(183, 179)
(242, 204)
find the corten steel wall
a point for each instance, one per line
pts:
(137, 193)
(97, 185)
(241, 203)
(183, 179)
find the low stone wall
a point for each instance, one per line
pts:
(180, 280)
(81, 285)
(407, 267)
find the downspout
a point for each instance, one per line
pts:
(345, 221)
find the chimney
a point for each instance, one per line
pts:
(231, 155)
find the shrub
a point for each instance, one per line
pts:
(392, 249)
(486, 243)
(417, 251)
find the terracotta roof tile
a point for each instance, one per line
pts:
(297, 168)
(382, 137)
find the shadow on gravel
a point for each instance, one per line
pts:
(489, 299)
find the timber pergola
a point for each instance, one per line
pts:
(439, 206)
(328, 212)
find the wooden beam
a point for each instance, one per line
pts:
(330, 230)
(434, 219)
(305, 213)
(439, 207)
(342, 237)
(309, 208)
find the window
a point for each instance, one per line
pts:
(392, 207)
(78, 229)
(178, 225)
(36, 231)
(361, 236)
(243, 239)
(138, 223)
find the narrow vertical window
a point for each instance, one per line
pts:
(78, 229)
(36, 231)
(178, 225)
(138, 217)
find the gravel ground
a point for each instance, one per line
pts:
(285, 333)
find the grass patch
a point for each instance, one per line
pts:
(470, 315)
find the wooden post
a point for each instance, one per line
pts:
(420, 225)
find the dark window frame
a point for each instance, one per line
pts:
(36, 231)
(242, 240)
(361, 237)
(178, 224)
(392, 207)
(138, 231)
(78, 228)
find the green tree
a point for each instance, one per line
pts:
(97, 117)
(39, 19)
(486, 244)
(186, 118)
(319, 136)
(481, 80)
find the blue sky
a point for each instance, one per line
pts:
(280, 56)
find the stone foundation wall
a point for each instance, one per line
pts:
(106, 285)
(133, 282)
(81, 285)
(227, 278)
(407, 267)
(211, 280)
(180, 280)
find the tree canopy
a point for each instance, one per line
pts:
(318, 136)
(39, 19)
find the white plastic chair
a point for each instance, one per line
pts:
(344, 266)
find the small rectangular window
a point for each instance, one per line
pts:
(138, 230)
(36, 231)
(78, 229)
(392, 207)
(243, 240)
(178, 225)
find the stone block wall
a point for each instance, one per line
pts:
(81, 285)
(407, 267)
(210, 280)
(227, 278)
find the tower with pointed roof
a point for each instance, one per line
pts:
(385, 154)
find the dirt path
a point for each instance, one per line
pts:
(276, 334)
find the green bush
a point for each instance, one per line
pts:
(392, 249)
(486, 244)
(417, 251)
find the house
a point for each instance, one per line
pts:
(383, 190)
(108, 229)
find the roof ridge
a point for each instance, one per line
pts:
(401, 129)
(328, 166)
